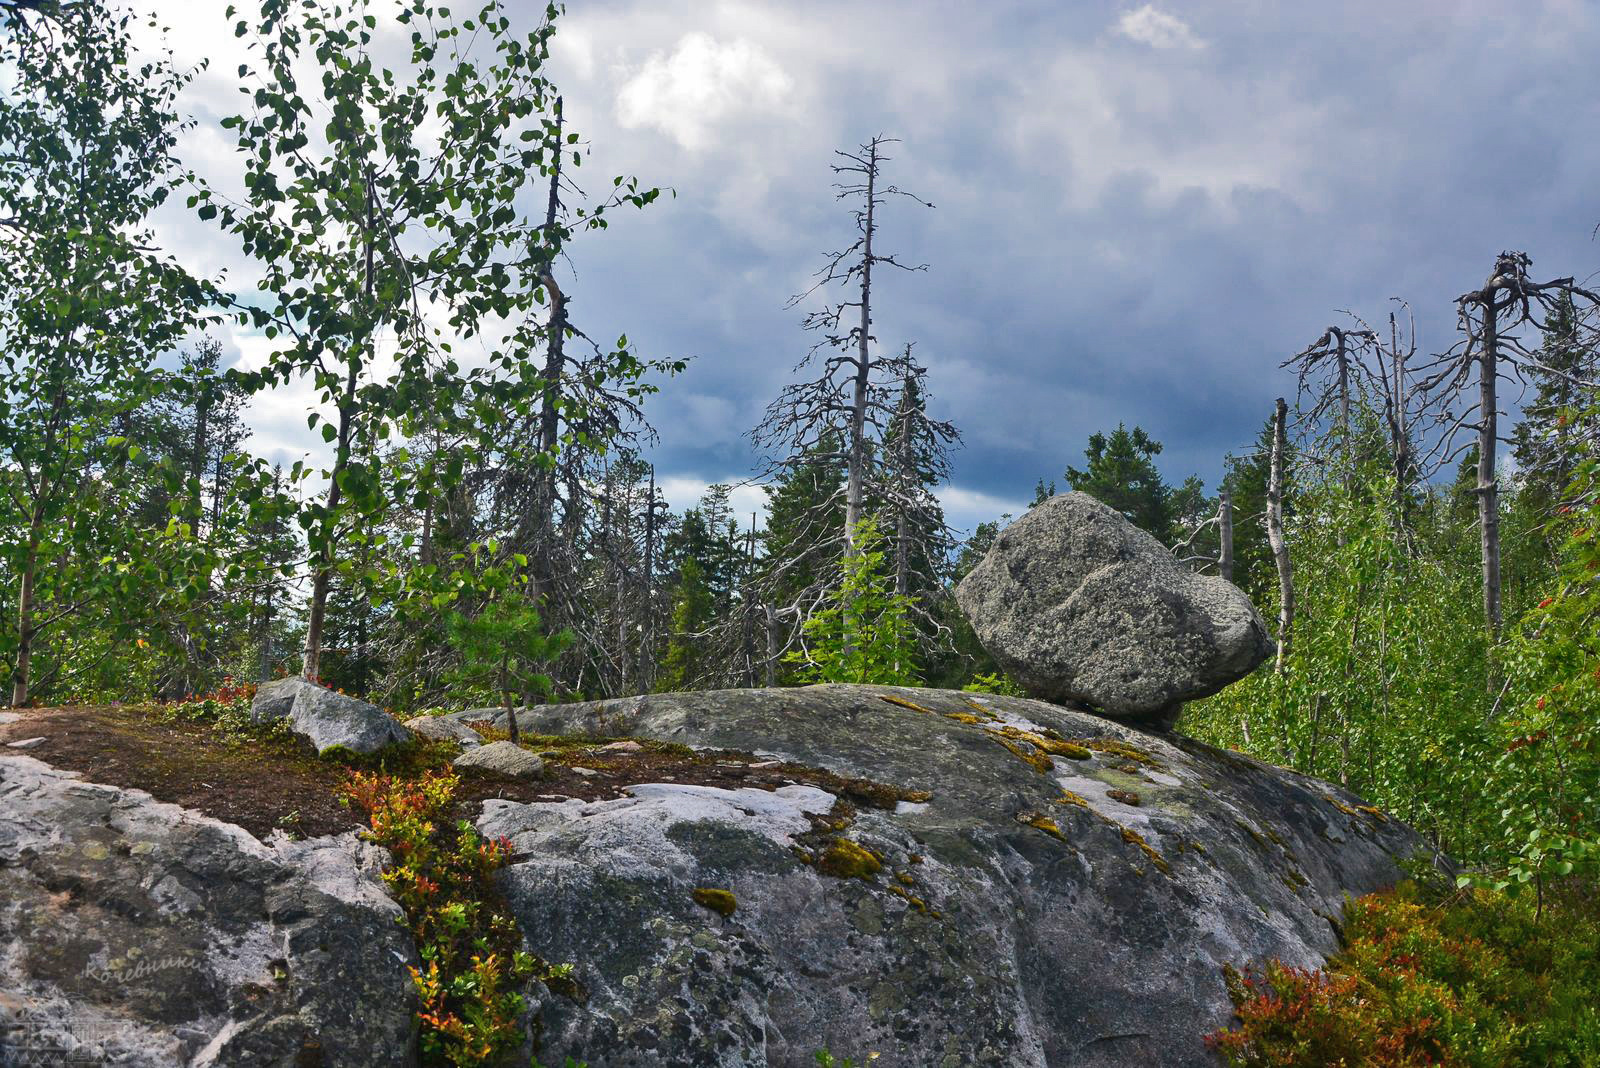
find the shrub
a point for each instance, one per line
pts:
(1430, 978)
(442, 874)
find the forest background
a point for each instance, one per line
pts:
(410, 222)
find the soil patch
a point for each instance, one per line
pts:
(280, 783)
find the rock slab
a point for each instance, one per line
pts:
(506, 758)
(144, 935)
(326, 718)
(1067, 895)
(1079, 605)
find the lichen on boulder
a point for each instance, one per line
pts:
(328, 720)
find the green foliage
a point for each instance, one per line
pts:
(1546, 774)
(496, 632)
(1121, 472)
(1471, 980)
(388, 193)
(1384, 691)
(1384, 640)
(864, 634)
(692, 611)
(86, 157)
(993, 683)
(442, 874)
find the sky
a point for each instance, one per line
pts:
(1140, 210)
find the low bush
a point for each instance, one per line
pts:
(442, 873)
(1431, 977)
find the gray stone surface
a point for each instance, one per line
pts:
(445, 729)
(274, 700)
(507, 758)
(138, 933)
(327, 718)
(1042, 931)
(1078, 604)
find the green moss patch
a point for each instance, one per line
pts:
(719, 901)
(844, 859)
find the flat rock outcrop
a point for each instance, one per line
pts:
(1064, 893)
(138, 933)
(1077, 604)
(327, 719)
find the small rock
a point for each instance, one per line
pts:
(587, 773)
(506, 758)
(627, 745)
(326, 718)
(26, 743)
(9, 717)
(441, 729)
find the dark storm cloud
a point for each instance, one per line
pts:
(1141, 209)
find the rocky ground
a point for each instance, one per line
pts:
(740, 877)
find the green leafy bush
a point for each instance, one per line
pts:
(1432, 978)
(865, 633)
(442, 876)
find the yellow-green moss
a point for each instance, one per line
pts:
(914, 901)
(986, 713)
(905, 703)
(962, 717)
(1118, 748)
(845, 859)
(1372, 812)
(1069, 798)
(1034, 758)
(721, 901)
(1133, 837)
(1043, 823)
(905, 878)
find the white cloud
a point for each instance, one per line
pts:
(964, 509)
(701, 85)
(1150, 26)
(683, 492)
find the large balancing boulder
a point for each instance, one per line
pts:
(326, 718)
(1079, 605)
(985, 881)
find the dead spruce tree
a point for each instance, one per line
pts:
(854, 383)
(842, 413)
(1488, 318)
(1325, 369)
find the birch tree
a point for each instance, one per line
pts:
(391, 232)
(86, 305)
